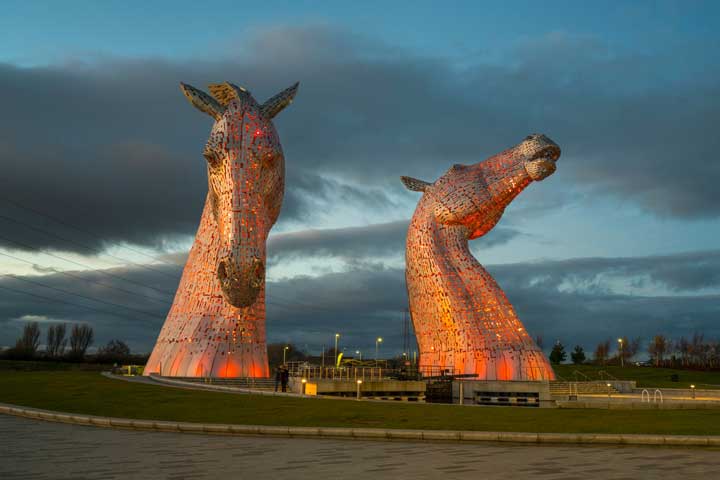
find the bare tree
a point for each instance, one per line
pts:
(116, 351)
(683, 347)
(80, 339)
(698, 350)
(601, 352)
(629, 348)
(56, 340)
(657, 349)
(27, 345)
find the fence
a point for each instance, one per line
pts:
(367, 373)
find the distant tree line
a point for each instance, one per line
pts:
(693, 353)
(61, 347)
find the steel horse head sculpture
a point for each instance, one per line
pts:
(463, 320)
(216, 325)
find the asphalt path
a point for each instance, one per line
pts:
(37, 449)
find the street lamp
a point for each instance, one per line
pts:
(337, 337)
(692, 387)
(359, 382)
(359, 353)
(377, 347)
(304, 382)
(622, 360)
(285, 349)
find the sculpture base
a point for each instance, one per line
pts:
(249, 361)
(502, 393)
(507, 365)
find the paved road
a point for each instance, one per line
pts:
(36, 449)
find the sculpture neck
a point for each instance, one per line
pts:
(199, 288)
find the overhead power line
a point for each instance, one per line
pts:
(88, 280)
(84, 245)
(272, 300)
(79, 229)
(67, 292)
(65, 302)
(25, 246)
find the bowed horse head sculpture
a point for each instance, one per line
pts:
(216, 324)
(462, 319)
(246, 172)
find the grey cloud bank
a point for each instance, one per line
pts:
(111, 144)
(368, 300)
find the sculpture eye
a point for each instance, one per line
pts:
(211, 156)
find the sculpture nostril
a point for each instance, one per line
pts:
(222, 271)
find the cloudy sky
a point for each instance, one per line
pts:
(103, 178)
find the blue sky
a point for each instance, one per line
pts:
(628, 89)
(42, 32)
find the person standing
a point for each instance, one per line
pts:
(285, 377)
(278, 376)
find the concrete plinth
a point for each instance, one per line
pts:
(507, 393)
(378, 389)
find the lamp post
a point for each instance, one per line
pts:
(337, 337)
(692, 387)
(359, 382)
(359, 353)
(622, 360)
(377, 348)
(304, 382)
(285, 349)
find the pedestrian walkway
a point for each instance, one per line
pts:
(45, 450)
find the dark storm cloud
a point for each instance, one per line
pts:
(382, 239)
(552, 298)
(112, 146)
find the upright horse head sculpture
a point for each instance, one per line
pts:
(462, 319)
(216, 325)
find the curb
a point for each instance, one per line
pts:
(363, 433)
(218, 388)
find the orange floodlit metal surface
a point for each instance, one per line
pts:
(462, 319)
(216, 324)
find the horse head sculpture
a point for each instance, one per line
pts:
(476, 195)
(246, 172)
(216, 324)
(463, 320)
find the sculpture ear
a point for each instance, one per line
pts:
(275, 104)
(414, 184)
(202, 101)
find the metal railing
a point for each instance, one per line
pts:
(606, 376)
(366, 374)
(577, 373)
(353, 371)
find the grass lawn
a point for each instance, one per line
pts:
(645, 376)
(90, 393)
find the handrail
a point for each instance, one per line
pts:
(657, 390)
(609, 377)
(576, 372)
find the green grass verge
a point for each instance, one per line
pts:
(90, 393)
(645, 376)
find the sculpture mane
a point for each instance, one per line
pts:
(462, 319)
(216, 324)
